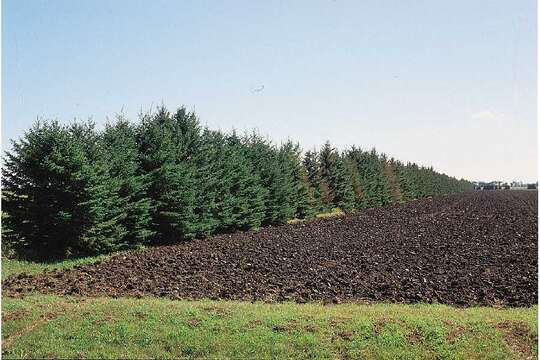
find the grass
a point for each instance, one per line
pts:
(41, 326)
(334, 212)
(14, 266)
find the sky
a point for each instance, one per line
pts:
(448, 84)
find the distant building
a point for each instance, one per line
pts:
(500, 185)
(493, 185)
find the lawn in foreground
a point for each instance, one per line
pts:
(41, 326)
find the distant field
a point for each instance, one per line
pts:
(42, 326)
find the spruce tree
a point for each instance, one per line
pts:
(326, 163)
(301, 197)
(209, 182)
(376, 189)
(121, 154)
(404, 181)
(333, 174)
(389, 170)
(171, 181)
(275, 181)
(244, 185)
(102, 230)
(354, 178)
(311, 165)
(44, 189)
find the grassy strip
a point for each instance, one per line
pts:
(334, 212)
(13, 266)
(42, 326)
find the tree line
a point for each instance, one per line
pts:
(73, 190)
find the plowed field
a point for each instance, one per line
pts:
(477, 248)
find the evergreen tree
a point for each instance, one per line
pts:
(100, 209)
(376, 190)
(354, 178)
(404, 181)
(333, 172)
(311, 165)
(120, 153)
(389, 170)
(44, 189)
(301, 198)
(242, 202)
(171, 181)
(278, 199)
(209, 182)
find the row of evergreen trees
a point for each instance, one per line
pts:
(69, 189)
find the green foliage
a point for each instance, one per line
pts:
(275, 174)
(171, 179)
(46, 178)
(376, 189)
(240, 194)
(121, 156)
(73, 190)
(337, 183)
(311, 167)
(301, 195)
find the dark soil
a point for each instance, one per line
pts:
(477, 248)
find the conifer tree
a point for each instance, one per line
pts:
(333, 172)
(389, 170)
(342, 185)
(44, 188)
(209, 182)
(120, 153)
(301, 198)
(311, 165)
(375, 187)
(354, 178)
(278, 202)
(171, 181)
(404, 181)
(241, 195)
(100, 209)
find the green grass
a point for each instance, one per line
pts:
(334, 212)
(41, 326)
(13, 266)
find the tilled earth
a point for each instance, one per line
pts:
(478, 248)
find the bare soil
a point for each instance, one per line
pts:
(477, 248)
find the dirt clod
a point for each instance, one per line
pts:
(518, 337)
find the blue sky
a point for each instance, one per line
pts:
(450, 84)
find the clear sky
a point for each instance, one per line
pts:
(450, 84)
